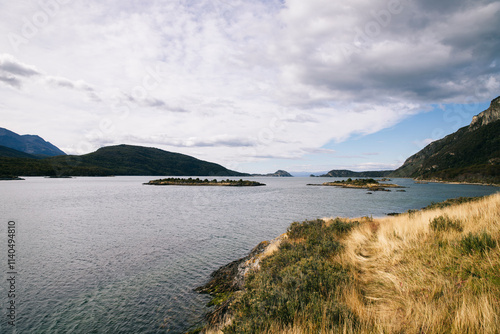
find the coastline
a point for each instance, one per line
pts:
(459, 182)
(368, 258)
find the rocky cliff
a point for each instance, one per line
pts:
(471, 154)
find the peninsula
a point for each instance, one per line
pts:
(198, 182)
(349, 275)
(369, 184)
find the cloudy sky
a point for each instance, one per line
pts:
(254, 85)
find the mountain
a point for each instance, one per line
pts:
(115, 160)
(278, 173)
(8, 152)
(28, 144)
(471, 154)
(350, 173)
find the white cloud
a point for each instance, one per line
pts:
(241, 80)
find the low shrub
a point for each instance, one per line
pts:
(477, 243)
(451, 202)
(298, 281)
(445, 223)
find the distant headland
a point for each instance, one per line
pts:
(369, 184)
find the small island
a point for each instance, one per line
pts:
(369, 184)
(278, 173)
(198, 182)
(10, 178)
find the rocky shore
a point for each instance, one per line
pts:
(227, 282)
(351, 275)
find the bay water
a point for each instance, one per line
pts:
(111, 255)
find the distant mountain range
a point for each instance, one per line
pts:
(111, 160)
(30, 144)
(471, 154)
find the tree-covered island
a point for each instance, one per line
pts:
(198, 182)
(370, 184)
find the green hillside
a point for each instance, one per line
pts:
(12, 153)
(471, 154)
(115, 160)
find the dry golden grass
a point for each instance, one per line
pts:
(411, 279)
(408, 277)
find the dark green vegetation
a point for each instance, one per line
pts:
(8, 152)
(477, 243)
(356, 182)
(28, 144)
(115, 160)
(452, 202)
(472, 154)
(350, 173)
(10, 178)
(197, 182)
(445, 223)
(370, 184)
(441, 205)
(299, 279)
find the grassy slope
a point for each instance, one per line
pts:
(432, 271)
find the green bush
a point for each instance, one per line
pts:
(299, 280)
(452, 202)
(311, 228)
(445, 223)
(477, 243)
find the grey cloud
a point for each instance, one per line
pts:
(11, 81)
(194, 142)
(445, 7)
(428, 53)
(229, 142)
(153, 102)
(302, 118)
(11, 65)
(13, 72)
(313, 150)
(67, 83)
(284, 157)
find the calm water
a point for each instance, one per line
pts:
(110, 255)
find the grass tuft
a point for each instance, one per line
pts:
(445, 224)
(477, 243)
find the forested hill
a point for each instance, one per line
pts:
(115, 160)
(471, 154)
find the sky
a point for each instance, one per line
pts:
(256, 86)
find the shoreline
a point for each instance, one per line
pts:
(359, 239)
(366, 184)
(459, 182)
